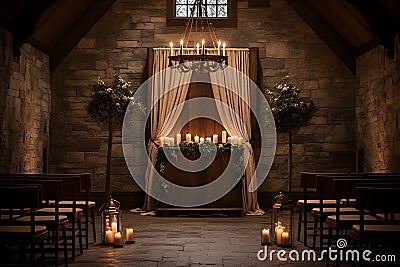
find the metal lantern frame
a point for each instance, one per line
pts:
(110, 213)
(282, 212)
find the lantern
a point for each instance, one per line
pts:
(282, 220)
(111, 225)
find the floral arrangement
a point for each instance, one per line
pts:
(107, 105)
(110, 101)
(193, 151)
(291, 112)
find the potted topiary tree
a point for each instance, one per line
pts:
(291, 112)
(107, 106)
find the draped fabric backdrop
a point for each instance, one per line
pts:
(161, 119)
(236, 121)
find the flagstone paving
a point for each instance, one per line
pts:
(188, 241)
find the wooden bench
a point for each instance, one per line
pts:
(20, 197)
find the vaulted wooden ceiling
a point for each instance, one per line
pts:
(349, 27)
(53, 26)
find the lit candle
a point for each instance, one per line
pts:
(172, 48)
(181, 47)
(240, 141)
(196, 139)
(171, 141)
(223, 48)
(279, 232)
(230, 140)
(114, 227)
(224, 137)
(265, 239)
(188, 138)
(208, 139)
(198, 48)
(202, 46)
(162, 140)
(117, 239)
(129, 234)
(201, 140)
(109, 237)
(219, 47)
(215, 138)
(285, 238)
(178, 138)
(234, 140)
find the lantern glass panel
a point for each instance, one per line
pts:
(282, 220)
(111, 220)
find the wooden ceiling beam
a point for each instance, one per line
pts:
(327, 33)
(77, 31)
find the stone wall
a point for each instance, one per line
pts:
(378, 109)
(25, 107)
(118, 43)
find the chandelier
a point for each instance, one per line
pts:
(199, 50)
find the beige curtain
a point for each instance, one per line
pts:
(236, 120)
(168, 89)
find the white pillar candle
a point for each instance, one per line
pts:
(219, 47)
(178, 138)
(202, 46)
(201, 140)
(162, 140)
(198, 48)
(278, 233)
(223, 48)
(188, 138)
(129, 234)
(109, 237)
(208, 139)
(265, 239)
(181, 47)
(196, 139)
(224, 137)
(230, 140)
(117, 239)
(171, 141)
(234, 140)
(114, 227)
(240, 141)
(285, 238)
(215, 138)
(172, 48)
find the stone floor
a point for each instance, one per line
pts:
(188, 241)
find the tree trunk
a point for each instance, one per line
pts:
(290, 159)
(109, 150)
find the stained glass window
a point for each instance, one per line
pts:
(211, 9)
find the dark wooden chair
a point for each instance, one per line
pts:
(83, 202)
(55, 223)
(71, 187)
(308, 181)
(385, 235)
(21, 197)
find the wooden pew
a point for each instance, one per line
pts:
(378, 200)
(19, 197)
(51, 190)
(308, 182)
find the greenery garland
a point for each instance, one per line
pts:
(193, 151)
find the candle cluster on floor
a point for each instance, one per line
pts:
(234, 140)
(281, 236)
